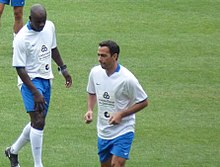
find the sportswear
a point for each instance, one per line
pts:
(32, 50)
(43, 86)
(114, 93)
(119, 146)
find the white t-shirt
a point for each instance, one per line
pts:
(114, 93)
(32, 50)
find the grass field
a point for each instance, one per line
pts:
(172, 46)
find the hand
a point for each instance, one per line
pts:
(88, 117)
(68, 79)
(39, 102)
(115, 118)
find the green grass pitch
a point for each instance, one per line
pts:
(172, 46)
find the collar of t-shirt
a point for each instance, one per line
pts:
(118, 68)
(29, 25)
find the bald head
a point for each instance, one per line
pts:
(38, 10)
(38, 16)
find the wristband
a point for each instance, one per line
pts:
(62, 68)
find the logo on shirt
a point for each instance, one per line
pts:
(43, 48)
(47, 67)
(106, 95)
(106, 114)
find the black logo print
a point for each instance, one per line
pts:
(106, 114)
(47, 67)
(106, 95)
(43, 48)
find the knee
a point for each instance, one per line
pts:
(38, 124)
(118, 162)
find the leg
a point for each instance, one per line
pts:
(2, 6)
(33, 131)
(18, 18)
(37, 120)
(104, 149)
(121, 149)
(12, 152)
(114, 161)
(117, 161)
(36, 136)
(106, 164)
(22, 140)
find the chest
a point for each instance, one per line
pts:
(110, 87)
(39, 47)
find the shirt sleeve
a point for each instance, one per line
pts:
(90, 85)
(135, 91)
(19, 53)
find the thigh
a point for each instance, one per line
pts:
(47, 93)
(17, 3)
(104, 151)
(28, 98)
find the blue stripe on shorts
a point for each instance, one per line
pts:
(120, 147)
(43, 86)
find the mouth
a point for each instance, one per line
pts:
(102, 65)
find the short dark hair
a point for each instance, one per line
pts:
(113, 46)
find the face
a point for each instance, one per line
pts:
(105, 59)
(37, 23)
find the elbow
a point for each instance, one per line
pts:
(145, 103)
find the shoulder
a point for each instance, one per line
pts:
(128, 76)
(22, 33)
(49, 24)
(96, 69)
(127, 73)
(20, 38)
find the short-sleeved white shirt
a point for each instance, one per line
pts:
(32, 50)
(114, 93)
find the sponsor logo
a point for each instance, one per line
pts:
(47, 67)
(106, 95)
(43, 48)
(106, 114)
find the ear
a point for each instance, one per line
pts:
(115, 56)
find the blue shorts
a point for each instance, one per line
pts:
(13, 2)
(120, 147)
(43, 86)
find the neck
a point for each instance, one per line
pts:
(110, 71)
